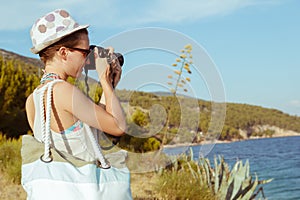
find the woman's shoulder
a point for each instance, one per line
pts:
(64, 87)
(65, 92)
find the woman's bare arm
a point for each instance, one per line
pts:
(72, 100)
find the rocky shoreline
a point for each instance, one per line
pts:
(276, 135)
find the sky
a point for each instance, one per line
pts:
(244, 51)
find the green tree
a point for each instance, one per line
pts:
(15, 86)
(140, 118)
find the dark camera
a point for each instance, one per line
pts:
(103, 53)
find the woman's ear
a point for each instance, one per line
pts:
(63, 52)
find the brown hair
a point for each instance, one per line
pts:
(71, 40)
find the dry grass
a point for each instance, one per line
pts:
(10, 169)
(10, 190)
(142, 186)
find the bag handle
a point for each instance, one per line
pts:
(46, 130)
(102, 162)
(45, 125)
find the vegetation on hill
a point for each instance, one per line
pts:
(238, 116)
(17, 81)
(18, 78)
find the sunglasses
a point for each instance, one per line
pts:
(85, 52)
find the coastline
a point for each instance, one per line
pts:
(169, 146)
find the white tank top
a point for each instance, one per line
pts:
(74, 142)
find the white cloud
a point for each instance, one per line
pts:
(295, 103)
(15, 14)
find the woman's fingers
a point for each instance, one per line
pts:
(101, 63)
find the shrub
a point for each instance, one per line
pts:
(180, 184)
(10, 159)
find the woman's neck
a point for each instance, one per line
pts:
(56, 69)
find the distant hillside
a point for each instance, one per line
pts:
(242, 120)
(11, 55)
(29, 65)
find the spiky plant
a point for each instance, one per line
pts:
(236, 183)
(222, 182)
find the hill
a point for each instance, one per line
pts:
(242, 120)
(30, 65)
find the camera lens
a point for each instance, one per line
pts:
(103, 53)
(120, 58)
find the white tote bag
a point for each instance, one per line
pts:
(48, 174)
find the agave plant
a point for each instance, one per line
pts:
(223, 182)
(226, 184)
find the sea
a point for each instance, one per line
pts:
(277, 158)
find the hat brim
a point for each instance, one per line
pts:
(36, 49)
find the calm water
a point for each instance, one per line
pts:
(277, 158)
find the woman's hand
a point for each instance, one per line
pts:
(103, 67)
(109, 72)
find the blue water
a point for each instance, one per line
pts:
(277, 158)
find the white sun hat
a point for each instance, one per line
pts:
(51, 28)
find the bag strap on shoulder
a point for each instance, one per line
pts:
(46, 129)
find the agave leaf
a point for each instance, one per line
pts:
(217, 174)
(207, 172)
(247, 182)
(265, 181)
(176, 165)
(250, 190)
(192, 154)
(222, 170)
(235, 167)
(241, 193)
(239, 177)
(226, 179)
(229, 190)
(248, 169)
(200, 175)
(194, 174)
(242, 190)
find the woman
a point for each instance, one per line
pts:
(63, 46)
